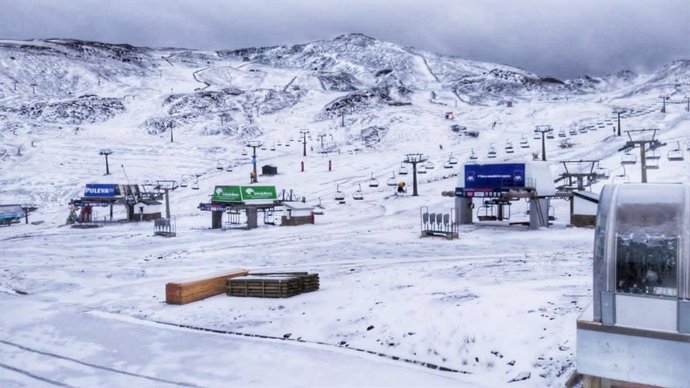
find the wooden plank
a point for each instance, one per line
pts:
(198, 288)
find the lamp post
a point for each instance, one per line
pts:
(254, 144)
(414, 159)
(543, 129)
(106, 152)
(304, 133)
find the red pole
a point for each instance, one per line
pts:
(329, 165)
(302, 163)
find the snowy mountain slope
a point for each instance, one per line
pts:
(498, 303)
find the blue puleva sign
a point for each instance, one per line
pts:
(100, 190)
(494, 176)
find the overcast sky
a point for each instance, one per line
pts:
(550, 37)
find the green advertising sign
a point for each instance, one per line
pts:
(227, 194)
(243, 193)
(258, 192)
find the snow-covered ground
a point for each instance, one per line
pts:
(86, 307)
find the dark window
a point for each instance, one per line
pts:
(647, 265)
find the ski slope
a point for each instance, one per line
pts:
(86, 307)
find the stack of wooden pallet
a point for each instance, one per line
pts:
(273, 285)
(191, 290)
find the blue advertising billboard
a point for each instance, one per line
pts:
(100, 190)
(494, 177)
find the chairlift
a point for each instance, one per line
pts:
(244, 153)
(473, 155)
(273, 148)
(287, 144)
(358, 194)
(492, 152)
(628, 158)
(373, 182)
(536, 136)
(676, 154)
(402, 170)
(339, 195)
(572, 132)
(421, 169)
(584, 129)
(392, 181)
(486, 212)
(263, 148)
(219, 166)
(550, 135)
(601, 172)
(561, 133)
(195, 185)
(184, 182)
(228, 168)
(652, 164)
(279, 144)
(447, 164)
(429, 165)
(524, 143)
(452, 159)
(509, 147)
(652, 155)
(621, 178)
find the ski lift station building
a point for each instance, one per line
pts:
(636, 331)
(499, 183)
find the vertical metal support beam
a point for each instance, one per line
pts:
(543, 146)
(643, 163)
(414, 180)
(216, 219)
(167, 203)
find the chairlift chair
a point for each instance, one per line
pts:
(421, 169)
(447, 164)
(228, 168)
(429, 165)
(358, 194)
(452, 159)
(536, 136)
(279, 144)
(184, 182)
(652, 164)
(402, 170)
(486, 213)
(392, 181)
(573, 132)
(601, 172)
(339, 195)
(524, 143)
(219, 166)
(509, 147)
(584, 129)
(373, 182)
(195, 185)
(550, 135)
(676, 154)
(628, 158)
(244, 153)
(561, 133)
(621, 178)
(492, 152)
(273, 148)
(473, 155)
(652, 155)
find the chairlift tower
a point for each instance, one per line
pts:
(663, 103)
(543, 129)
(166, 186)
(304, 133)
(106, 152)
(645, 142)
(619, 112)
(414, 159)
(254, 144)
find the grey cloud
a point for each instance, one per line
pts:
(550, 37)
